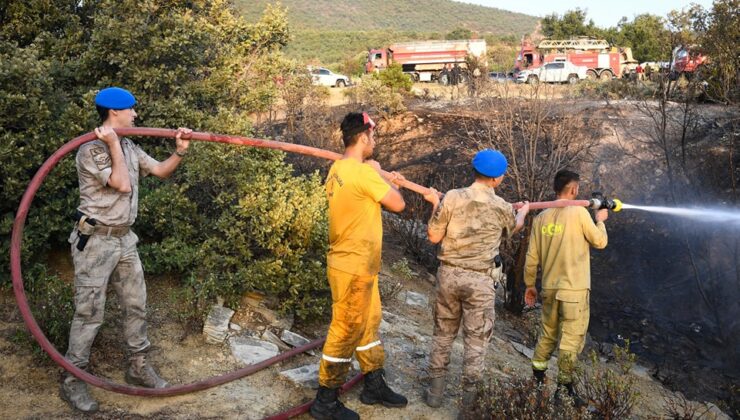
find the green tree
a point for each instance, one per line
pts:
(394, 78)
(569, 25)
(194, 64)
(459, 33)
(648, 37)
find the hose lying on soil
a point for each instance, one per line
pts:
(48, 347)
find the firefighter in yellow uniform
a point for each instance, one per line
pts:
(559, 243)
(355, 190)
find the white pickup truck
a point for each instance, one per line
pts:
(557, 72)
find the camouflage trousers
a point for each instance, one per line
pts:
(467, 296)
(114, 260)
(565, 316)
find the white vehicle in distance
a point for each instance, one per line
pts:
(325, 77)
(557, 72)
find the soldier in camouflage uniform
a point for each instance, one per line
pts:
(470, 222)
(104, 246)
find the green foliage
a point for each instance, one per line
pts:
(401, 267)
(371, 93)
(52, 304)
(402, 15)
(648, 37)
(459, 33)
(230, 219)
(720, 30)
(612, 392)
(517, 398)
(570, 25)
(394, 78)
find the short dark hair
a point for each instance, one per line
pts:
(563, 178)
(479, 175)
(352, 126)
(102, 112)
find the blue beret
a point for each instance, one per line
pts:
(115, 98)
(491, 163)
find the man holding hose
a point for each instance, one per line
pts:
(356, 190)
(559, 243)
(104, 246)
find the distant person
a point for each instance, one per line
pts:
(639, 70)
(470, 223)
(104, 246)
(456, 74)
(559, 244)
(648, 72)
(356, 190)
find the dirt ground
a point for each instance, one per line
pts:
(29, 384)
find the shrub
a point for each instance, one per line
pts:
(52, 304)
(394, 78)
(517, 398)
(230, 219)
(371, 93)
(401, 267)
(612, 392)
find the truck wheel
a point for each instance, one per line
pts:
(341, 83)
(573, 79)
(444, 79)
(606, 75)
(591, 75)
(533, 80)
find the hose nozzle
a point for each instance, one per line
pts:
(599, 201)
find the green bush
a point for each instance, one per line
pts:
(612, 392)
(517, 398)
(230, 219)
(52, 304)
(394, 78)
(371, 93)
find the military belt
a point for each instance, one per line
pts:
(477, 270)
(116, 231)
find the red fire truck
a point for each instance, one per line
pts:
(686, 61)
(602, 60)
(427, 61)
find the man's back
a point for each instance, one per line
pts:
(475, 220)
(354, 191)
(561, 238)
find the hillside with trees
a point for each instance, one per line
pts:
(401, 15)
(335, 32)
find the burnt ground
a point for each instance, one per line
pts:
(640, 292)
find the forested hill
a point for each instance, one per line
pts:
(438, 16)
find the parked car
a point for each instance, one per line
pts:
(501, 77)
(557, 72)
(325, 77)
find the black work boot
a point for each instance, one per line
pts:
(327, 406)
(376, 391)
(539, 376)
(141, 373)
(435, 392)
(75, 392)
(569, 389)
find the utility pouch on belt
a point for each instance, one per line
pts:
(85, 228)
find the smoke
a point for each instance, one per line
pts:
(732, 218)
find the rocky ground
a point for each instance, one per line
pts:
(29, 383)
(429, 135)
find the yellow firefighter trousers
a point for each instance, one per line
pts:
(565, 315)
(356, 316)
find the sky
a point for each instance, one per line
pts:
(604, 13)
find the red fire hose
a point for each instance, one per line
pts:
(15, 260)
(18, 287)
